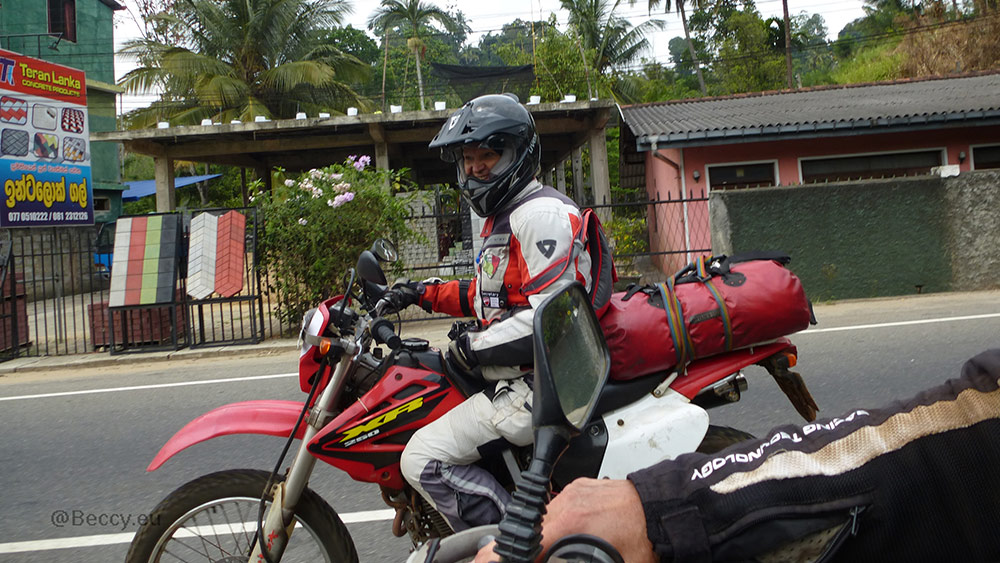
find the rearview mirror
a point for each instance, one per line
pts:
(369, 269)
(571, 359)
(384, 250)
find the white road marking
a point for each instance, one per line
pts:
(261, 377)
(126, 537)
(898, 323)
(145, 387)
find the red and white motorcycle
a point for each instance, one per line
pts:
(362, 405)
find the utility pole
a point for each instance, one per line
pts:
(788, 46)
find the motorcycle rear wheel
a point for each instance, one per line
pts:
(213, 519)
(719, 438)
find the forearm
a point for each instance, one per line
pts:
(451, 298)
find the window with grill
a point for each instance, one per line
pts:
(984, 158)
(843, 169)
(62, 18)
(738, 176)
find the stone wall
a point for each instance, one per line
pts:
(972, 212)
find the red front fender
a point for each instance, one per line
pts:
(272, 418)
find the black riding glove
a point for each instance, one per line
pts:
(406, 293)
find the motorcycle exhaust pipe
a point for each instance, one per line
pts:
(723, 392)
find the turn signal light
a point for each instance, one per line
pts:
(325, 343)
(792, 360)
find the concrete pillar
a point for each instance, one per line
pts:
(381, 149)
(382, 156)
(599, 173)
(561, 177)
(166, 196)
(577, 157)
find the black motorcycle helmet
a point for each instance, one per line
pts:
(498, 122)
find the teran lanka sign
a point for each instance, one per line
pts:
(44, 144)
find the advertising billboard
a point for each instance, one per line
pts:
(44, 144)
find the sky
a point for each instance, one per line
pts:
(486, 16)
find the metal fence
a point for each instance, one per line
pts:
(679, 227)
(55, 282)
(56, 288)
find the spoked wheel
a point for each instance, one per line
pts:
(719, 438)
(213, 519)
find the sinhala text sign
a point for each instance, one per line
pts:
(44, 144)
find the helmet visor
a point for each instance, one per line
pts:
(485, 161)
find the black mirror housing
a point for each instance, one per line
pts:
(572, 361)
(369, 269)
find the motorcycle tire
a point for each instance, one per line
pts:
(234, 495)
(719, 438)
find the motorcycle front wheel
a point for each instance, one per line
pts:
(213, 519)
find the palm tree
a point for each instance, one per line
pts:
(612, 39)
(414, 16)
(241, 58)
(654, 4)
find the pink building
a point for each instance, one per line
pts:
(838, 133)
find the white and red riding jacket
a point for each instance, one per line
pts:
(527, 246)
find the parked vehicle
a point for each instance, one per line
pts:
(363, 405)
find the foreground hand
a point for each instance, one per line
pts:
(609, 509)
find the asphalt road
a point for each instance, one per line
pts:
(73, 464)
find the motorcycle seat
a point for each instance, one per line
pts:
(617, 394)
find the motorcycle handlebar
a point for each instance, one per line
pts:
(385, 334)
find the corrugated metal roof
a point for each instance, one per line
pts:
(826, 110)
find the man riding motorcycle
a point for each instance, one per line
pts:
(528, 244)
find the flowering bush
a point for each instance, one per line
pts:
(315, 226)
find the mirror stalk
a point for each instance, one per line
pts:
(520, 531)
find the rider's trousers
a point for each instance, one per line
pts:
(437, 459)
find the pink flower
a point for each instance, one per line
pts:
(341, 199)
(290, 183)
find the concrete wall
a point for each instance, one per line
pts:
(972, 214)
(848, 240)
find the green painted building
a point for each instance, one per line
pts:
(77, 34)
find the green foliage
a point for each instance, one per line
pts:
(354, 42)
(236, 59)
(413, 19)
(747, 60)
(316, 225)
(629, 235)
(870, 65)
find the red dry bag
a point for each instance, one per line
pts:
(713, 305)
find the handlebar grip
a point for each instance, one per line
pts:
(385, 334)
